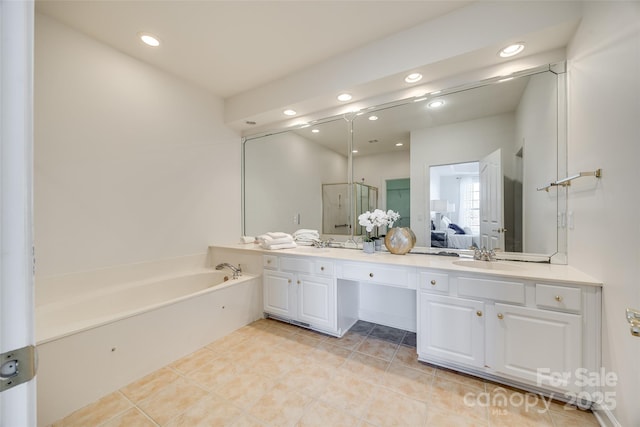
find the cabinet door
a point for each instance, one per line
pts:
(539, 346)
(316, 301)
(451, 329)
(278, 297)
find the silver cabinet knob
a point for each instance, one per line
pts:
(433, 282)
(500, 316)
(370, 274)
(558, 298)
(321, 268)
(479, 313)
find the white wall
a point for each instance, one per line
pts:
(131, 163)
(604, 132)
(459, 142)
(285, 173)
(376, 169)
(537, 132)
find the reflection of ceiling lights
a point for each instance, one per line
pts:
(373, 118)
(344, 97)
(424, 98)
(436, 104)
(506, 79)
(354, 151)
(413, 77)
(289, 113)
(399, 144)
(315, 130)
(436, 92)
(149, 39)
(511, 50)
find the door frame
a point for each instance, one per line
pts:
(17, 329)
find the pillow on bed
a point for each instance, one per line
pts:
(444, 222)
(456, 228)
(468, 230)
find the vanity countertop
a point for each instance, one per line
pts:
(516, 269)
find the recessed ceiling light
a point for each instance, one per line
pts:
(315, 130)
(399, 144)
(289, 113)
(354, 151)
(372, 118)
(344, 97)
(436, 104)
(149, 39)
(413, 77)
(511, 50)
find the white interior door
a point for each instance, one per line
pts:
(18, 391)
(491, 202)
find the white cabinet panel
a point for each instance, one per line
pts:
(537, 345)
(316, 296)
(451, 329)
(278, 298)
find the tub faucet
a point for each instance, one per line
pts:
(236, 270)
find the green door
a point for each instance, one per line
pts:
(398, 199)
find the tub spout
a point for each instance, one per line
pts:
(236, 270)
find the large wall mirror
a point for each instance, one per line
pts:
(462, 166)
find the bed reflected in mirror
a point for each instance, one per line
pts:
(455, 205)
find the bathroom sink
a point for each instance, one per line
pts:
(487, 265)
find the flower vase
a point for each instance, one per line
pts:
(378, 244)
(369, 247)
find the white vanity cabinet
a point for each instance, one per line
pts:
(451, 329)
(511, 329)
(301, 290)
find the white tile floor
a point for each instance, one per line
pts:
(275, 374)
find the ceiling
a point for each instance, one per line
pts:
(230, 47)
(264, 56)
(394, 123)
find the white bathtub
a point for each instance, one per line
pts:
(85, 310)
(95, 342)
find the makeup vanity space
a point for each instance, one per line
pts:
(533, 325)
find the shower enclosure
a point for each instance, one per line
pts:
(335, 207)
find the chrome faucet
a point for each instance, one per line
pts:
(483, 254)
(237, 271)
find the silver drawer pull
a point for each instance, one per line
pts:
(433, 282)
(321, 268)
(370, 274)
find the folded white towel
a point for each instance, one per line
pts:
(278, 235)
(280, 240)
(268, 245)
(306, 231)
(286, 238)
(247, 239)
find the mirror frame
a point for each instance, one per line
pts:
(559, 69)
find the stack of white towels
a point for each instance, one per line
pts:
(306, 237)
(276, 240)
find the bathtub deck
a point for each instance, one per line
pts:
(271, 373)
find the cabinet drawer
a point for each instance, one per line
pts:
(558, 297)
(298, 265)
(270, 262)
(372, 273)
(324, 268)
(430, 281)
(496, 290)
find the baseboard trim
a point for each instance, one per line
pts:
(604, 416)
